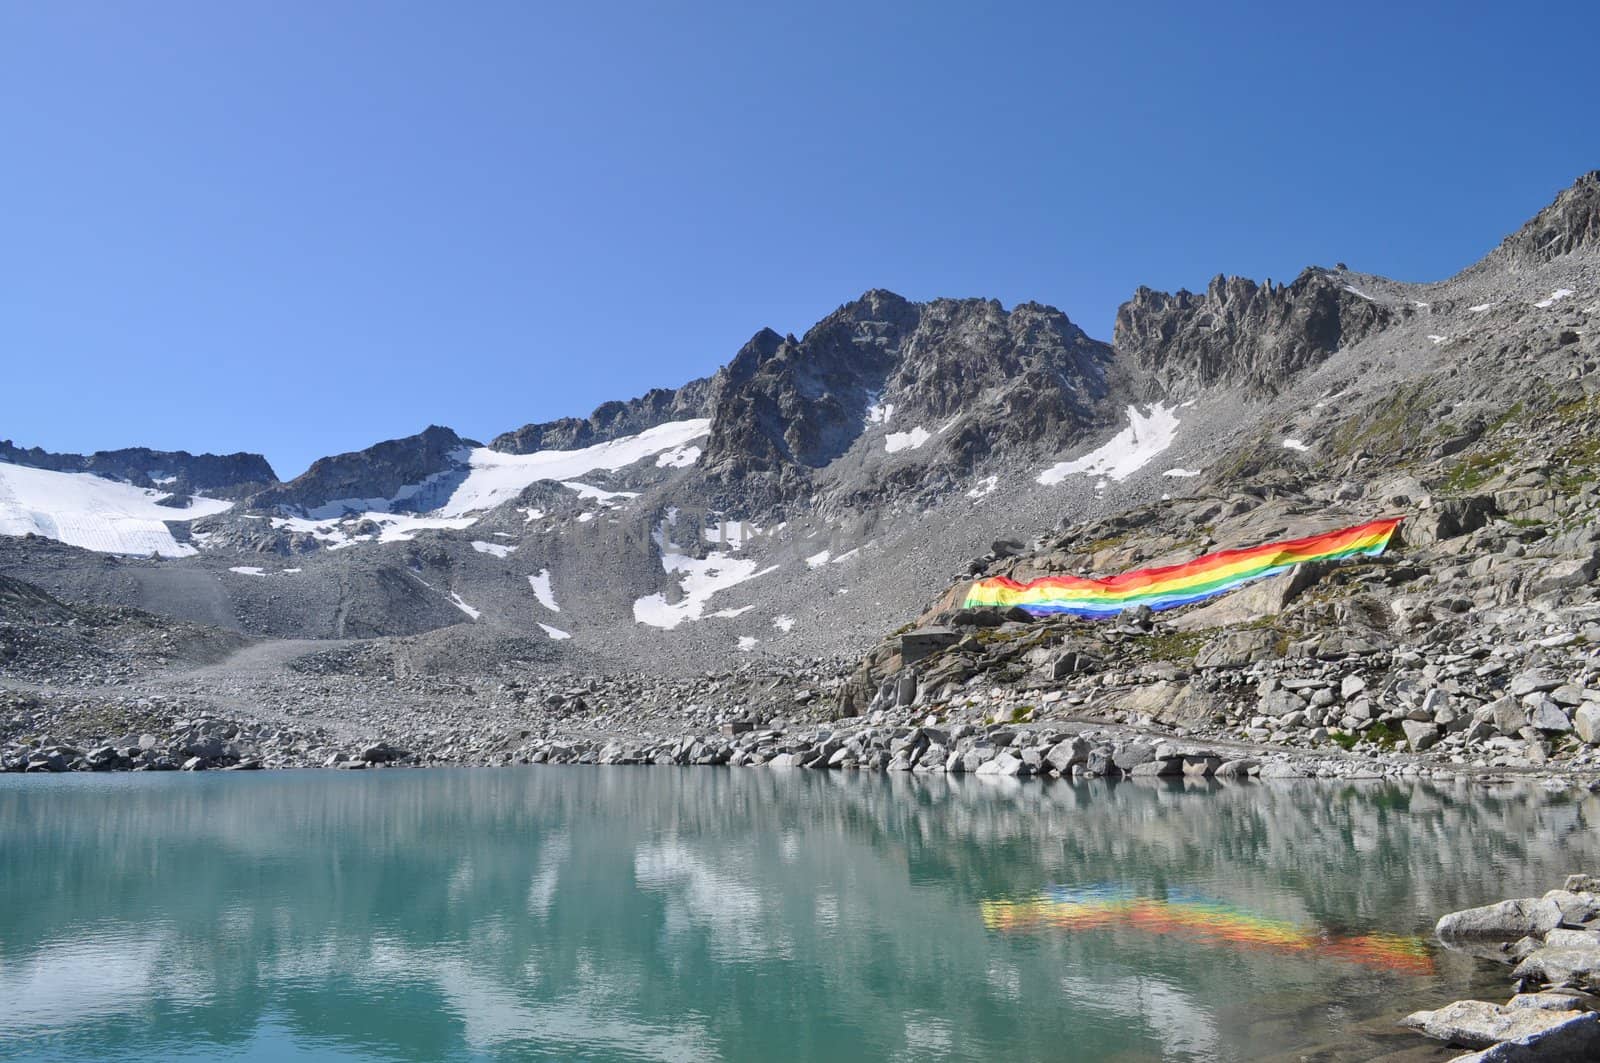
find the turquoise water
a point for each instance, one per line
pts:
(700, 914)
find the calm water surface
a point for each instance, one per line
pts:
(638, 913)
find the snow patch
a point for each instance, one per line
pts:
(1438, 339)
(89, 511)
(1480, 308)
(493, 549)
(248, 570)
(599, 494)
(542, 591)
(878, 413)
(455, 600)
(1182, 473)
(700, 579)
(531, 514)
(1295, 444)
(747, 643)
(895, 442)
(1147, 435)
(984, 487)
(1553, 298)
(678, 458)
(783, 623)
(1353, 290)
(555, 632)
(819, 559)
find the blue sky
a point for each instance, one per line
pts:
(303, 227)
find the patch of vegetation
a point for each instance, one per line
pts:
(1022, 714)
(1387, 429)
(1474, 469)
(1384, 735)
(1345, 740)
(1177, 645)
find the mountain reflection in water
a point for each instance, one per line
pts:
(715, 914)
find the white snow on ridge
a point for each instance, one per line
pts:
(783, 623)
(818, 559)
(1295, 444)
(555, 632)
(89, 511)
(1126, 452)
(1438, 339)
(490, 478)
(984, 487)
(455, 599)
(1182, 473)
(496, 478)
(1480, 308)
(895, 442)
(542, 591)
(878, 413)
(248, 570)
(493, 549)
(701, 578)
(747, 643)
(1553, 298)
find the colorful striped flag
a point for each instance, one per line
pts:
(1171, 586)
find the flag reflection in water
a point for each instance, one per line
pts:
(1203, 920)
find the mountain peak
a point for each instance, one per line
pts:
(1570, 222)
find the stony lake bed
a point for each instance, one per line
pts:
(656, 913)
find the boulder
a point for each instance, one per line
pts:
(1553, 1037)
(1508, 920)
(926, 641)
(1480, 1024)
(1557, 965)
(1420, 734)
(1586, 721)
(1068, 753)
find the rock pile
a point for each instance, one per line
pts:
(1554, 941)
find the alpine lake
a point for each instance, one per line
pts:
(749, 914)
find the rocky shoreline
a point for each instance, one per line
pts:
(53, 731)
(1553, 942)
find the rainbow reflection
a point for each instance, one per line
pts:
(1202, 920)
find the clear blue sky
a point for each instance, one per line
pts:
(303, 227)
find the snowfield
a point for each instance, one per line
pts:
(1130, 450)
(542, 591)
(89, 511)
(495, 478)
(701, 578)
(489, 478)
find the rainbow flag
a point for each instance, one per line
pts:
(1170, 586)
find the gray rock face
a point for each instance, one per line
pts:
(1566, 225)
(379, 472)
(785, 407)
(1241, 333)
(219, 475)
(610, 420)
(1507, 919)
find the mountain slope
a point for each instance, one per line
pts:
(825, 486)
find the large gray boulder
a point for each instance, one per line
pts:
(1575, 1039)
(1561, 965)
(1480, 1024)
(1507, 919)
